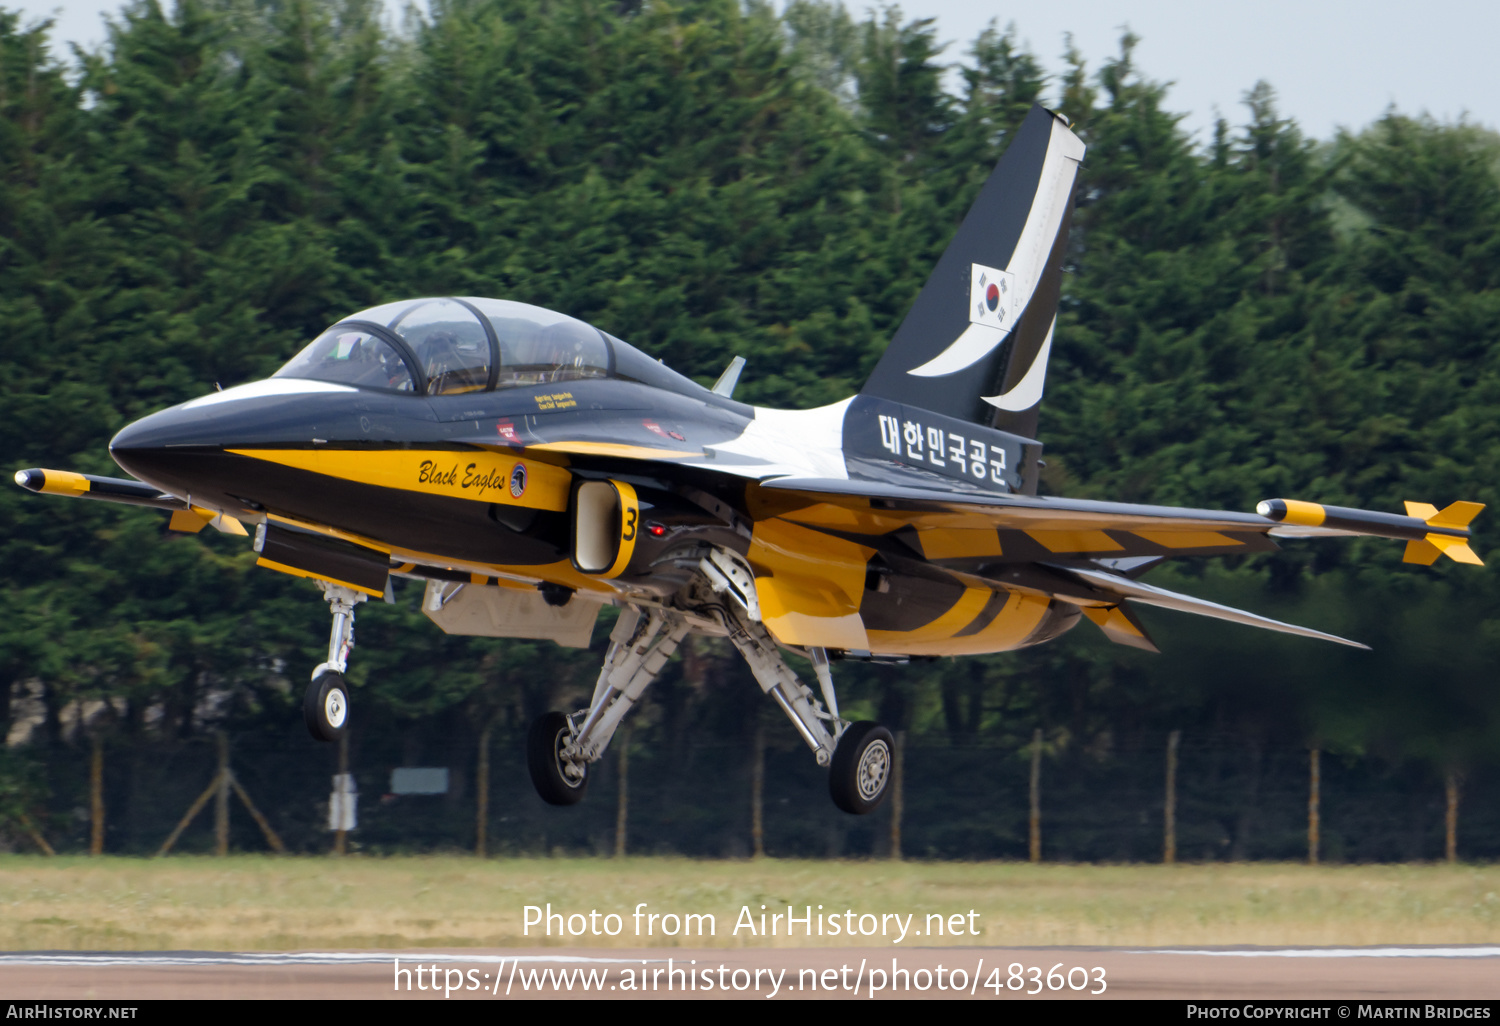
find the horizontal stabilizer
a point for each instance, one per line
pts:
(1153, 596)
(1121, 625)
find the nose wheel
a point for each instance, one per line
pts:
(325, 705)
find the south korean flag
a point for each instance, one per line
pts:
(992, 296)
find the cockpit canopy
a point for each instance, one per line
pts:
(450, 346)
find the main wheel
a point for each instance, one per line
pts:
(558, 781)
(325, 706)
(861, 769)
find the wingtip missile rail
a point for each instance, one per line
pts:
(90, 486)
(185, 517)
(1427, 531)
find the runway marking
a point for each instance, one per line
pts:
(1474, 952)
(146, 959)
(166, 958)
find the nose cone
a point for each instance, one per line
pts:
(154, 448)
(173, 427)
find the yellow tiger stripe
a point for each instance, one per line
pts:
(1076, 541)
(642, 452)
(271, 564)
(477, 476)
(938, 543)
(1017, 619)
(958, 616)
(1187, 539)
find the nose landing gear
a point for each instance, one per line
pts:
(325, 705)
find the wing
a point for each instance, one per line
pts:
(1086, 552)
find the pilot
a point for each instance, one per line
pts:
(442, 356)
(561, 352)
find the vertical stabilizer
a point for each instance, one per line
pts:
(976, 342)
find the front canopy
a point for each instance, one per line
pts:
(450, 346)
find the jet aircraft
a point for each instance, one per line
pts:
(531, 469)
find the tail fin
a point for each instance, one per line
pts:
(975, 343)
(1455, 517)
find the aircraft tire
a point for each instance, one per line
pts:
(543, 759)
(325, 706)
(860, 774)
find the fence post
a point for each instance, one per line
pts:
(341, 836)
(221, 798)
(898, 794)
(1036, 795)
(96, 797)
(758, 793)
(482, 792)
(1313, 795)
(1169, 841)
(622, 810)
(1450, 832)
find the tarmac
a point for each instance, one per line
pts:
(1261, 975)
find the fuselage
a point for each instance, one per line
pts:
(483, 482)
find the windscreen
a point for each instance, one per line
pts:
(350, 355)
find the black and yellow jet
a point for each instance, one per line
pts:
(532, 468)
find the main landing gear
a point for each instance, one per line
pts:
(560, 748)
(325, 705)
(558, 752)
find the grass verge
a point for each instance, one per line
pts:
(265, 903)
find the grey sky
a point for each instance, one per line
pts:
(1333, 62)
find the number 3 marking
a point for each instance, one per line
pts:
(628, 532)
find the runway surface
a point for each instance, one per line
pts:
(1254, 974)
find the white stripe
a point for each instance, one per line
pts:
(1473, 952)
(1059, 168)
(146, 958)
(977, 342)
(1028, 391)
(268, 387)
(786, 443)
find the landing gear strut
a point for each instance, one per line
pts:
(560, 748)
(858, 755)
(558, 754)
(325, 705)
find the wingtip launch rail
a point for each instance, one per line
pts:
(1428, 532)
